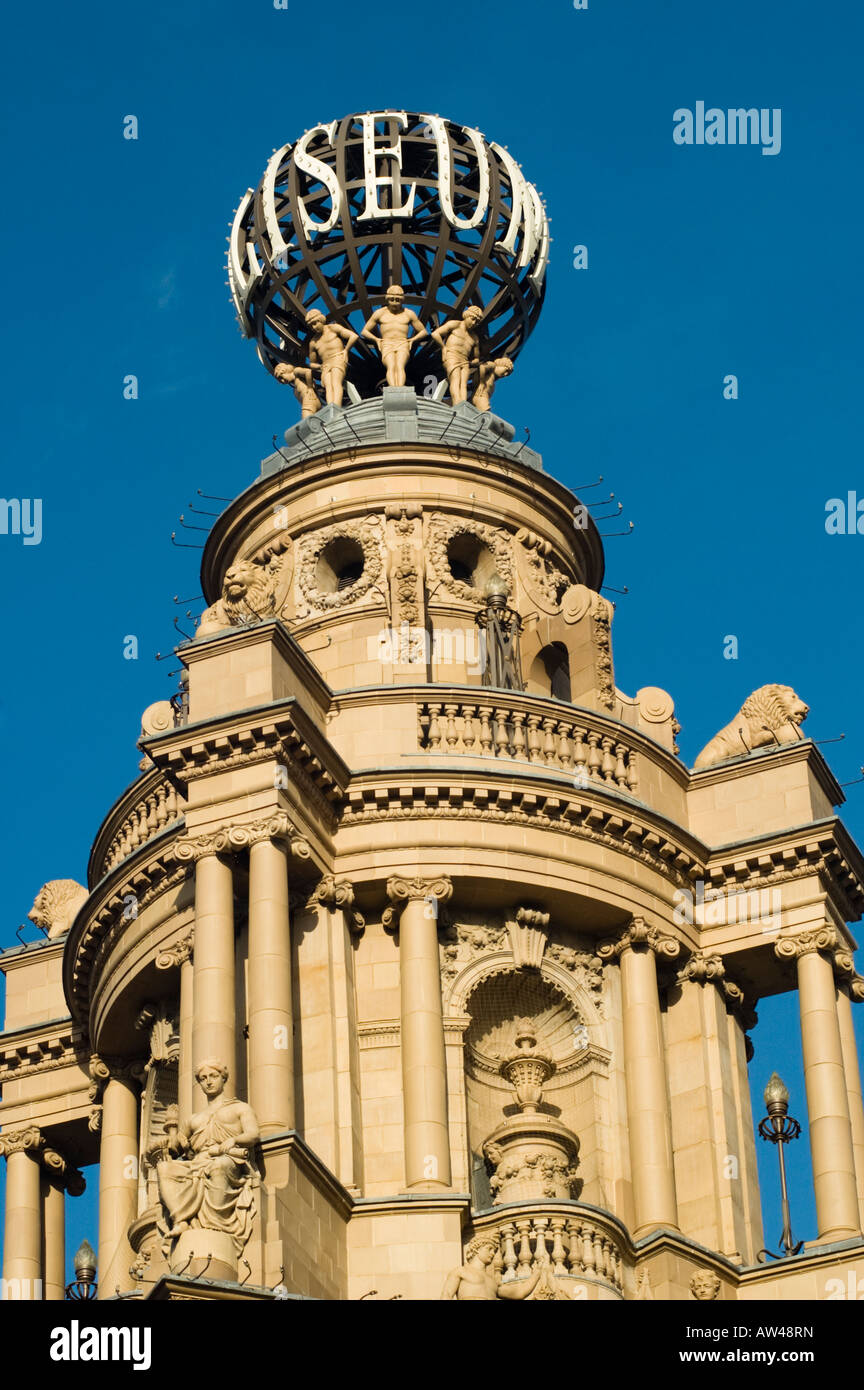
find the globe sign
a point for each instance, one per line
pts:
(388, 198)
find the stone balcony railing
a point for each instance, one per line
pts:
(508, 725)
(576, 1244)
(147, 807)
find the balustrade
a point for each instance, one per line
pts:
(494, 729)
(575, 1247)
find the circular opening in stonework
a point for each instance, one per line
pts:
(340, 565)
(470, 560)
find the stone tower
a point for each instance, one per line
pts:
(464, 953)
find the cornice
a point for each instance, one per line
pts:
(779, 755)
(51, 1046)
(281, 730)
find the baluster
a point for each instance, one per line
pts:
(468, 735)
(579, 747)
(588, 1249)
(558, 1264)
(564, 745)
(143, 834)
(502, 741)
(161, 809)
(540, 1251)
(524, 1267)
(549, 741)
(151, 824)
(485, 730)
(508, 1251)
(621, 766)
(534, 737)
(595, 757)
(434, 728)
(599, 1260)
(608, 761)
(171, 802)
(452, 712)
(577, 1264)
(632, 775)
(518, 717)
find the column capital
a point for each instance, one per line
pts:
(639, 935)
(29, 1140)
(401, 891)
(228, 839)
(336, 893)
(178, 953)
(856, 988)
(703, 969)
(805, 943)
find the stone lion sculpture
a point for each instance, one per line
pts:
(772, 714)
(248, 595)
(57, 904)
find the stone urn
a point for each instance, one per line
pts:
(534, 1155)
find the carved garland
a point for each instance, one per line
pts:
(368, 533)
(442, 530)
(544, 582)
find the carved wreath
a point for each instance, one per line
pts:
(368, 535)
(442, 530)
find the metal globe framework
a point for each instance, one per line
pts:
(388, 198)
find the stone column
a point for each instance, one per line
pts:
(328, 1017)
(181, 954)
(214, 1033)
(651, 1158)
(22, 1246)
(837, 1214)
(424, 1067)
(118, 1182)
(271, 1024)
(53, 1236)
(845, 995)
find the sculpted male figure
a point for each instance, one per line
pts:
(488, 374)
(304, 387)
(329, 346)
(209, 1188)
(460, 349)
(475, 1282)
(394, 340)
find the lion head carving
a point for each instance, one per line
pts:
(248, 595)
(57, 904)
(773, 714)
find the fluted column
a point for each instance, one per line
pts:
(22, 1246)
(837, 1214)
(648, 1117)
(424, 1067)
(271, 1025)
(118, 1182)
(180, 954)
(852, 1069)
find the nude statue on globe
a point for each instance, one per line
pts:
(487, 376)
(459, 342)
(394, 339)
(208, 1180)
(300, 378)
(329, 345)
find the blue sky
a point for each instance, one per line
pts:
(703, 261)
